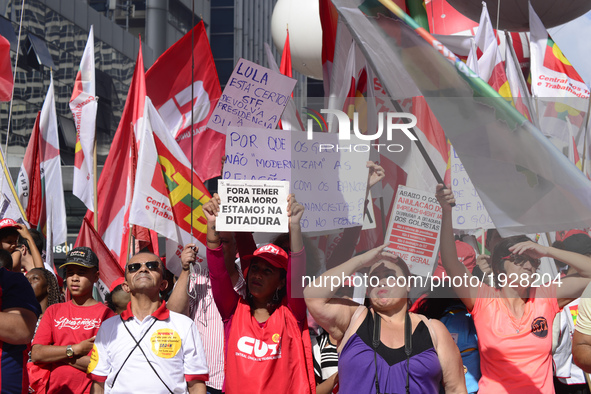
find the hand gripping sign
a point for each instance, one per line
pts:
(253, 206)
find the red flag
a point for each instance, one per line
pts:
(28, 185)
(109, 268)
(6, 79)
(115, 184)
(285, 67)
(168, 84)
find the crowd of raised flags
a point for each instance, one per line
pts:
(411, 75)
(505, 130)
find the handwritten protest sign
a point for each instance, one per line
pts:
(469, 212)
(413, 232)
(329, 182)
(253, 206)
(254, 96)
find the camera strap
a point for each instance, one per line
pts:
(137, 346)
(375, 343)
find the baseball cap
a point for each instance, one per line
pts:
(116, 283)
(272, 254)
(8, 223)
(83, 256)
(578, 243)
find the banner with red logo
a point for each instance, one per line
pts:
(171, 83)
(84, 105)
(163, 199)
(109, 268)
(551, 72)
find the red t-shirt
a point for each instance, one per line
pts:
(515, 355)
(67, 324)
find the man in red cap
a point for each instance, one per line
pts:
(9, 236)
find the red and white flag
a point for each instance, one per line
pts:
(519, 91)
(52, 221)
(167, 198)
(551, 72)
(169, 83)
(561, 94)
(6, 76)
(490, 64)
(28, 183)
(109, 268)
(116, 182)
(329, 21)
(83, 105)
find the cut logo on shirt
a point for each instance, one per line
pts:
(539, 327)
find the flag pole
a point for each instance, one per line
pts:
(132, 184)
(422, 149)
(95, 181)
(482, 244)
(18, 44)
(192, 107)
(585, 128)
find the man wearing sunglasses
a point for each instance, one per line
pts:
(147, 348)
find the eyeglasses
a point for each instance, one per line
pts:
(135, 267)
(520, 259)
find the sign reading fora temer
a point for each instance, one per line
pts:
(253, 206)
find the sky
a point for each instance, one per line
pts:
(573, 39)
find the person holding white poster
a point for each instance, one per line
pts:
(266, 331)
(382, 345)
(513, 319)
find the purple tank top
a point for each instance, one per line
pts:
(357, 367)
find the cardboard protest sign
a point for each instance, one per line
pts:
(254, 96)
(469, 212)
(253, 206)
(413, 232)
(329, 182)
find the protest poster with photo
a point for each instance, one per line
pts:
(413, 232)
(253, 206)
(329, 182)
(254, 96)
(469, 212)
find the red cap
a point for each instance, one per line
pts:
(272, 254)
(562, 235)
(116, 283)
(466, 256)
(7, 223)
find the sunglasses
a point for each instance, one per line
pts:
(520, 259)
(151, 265)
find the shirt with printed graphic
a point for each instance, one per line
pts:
(158, 354)
(515, 354)
(67, 324)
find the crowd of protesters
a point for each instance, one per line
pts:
(242, 323)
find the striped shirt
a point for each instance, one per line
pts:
(205, 314)
(326, 358)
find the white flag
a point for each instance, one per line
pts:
(162, 198)
(84, 107)
(51, 175)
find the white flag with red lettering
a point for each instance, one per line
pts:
(83, 105)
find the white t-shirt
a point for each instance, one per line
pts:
(171, 343)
